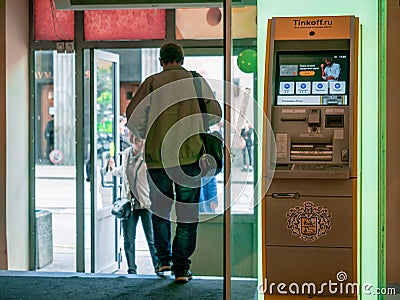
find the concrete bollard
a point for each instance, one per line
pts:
(44, 238)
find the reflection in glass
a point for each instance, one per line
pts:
(207, 23)
(54, 130)
(104, 129)
(245, 178)
(242, 110)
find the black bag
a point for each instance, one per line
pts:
(122, 208)
(211, 162)
(212, 159)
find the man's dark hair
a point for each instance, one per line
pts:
(170, 53)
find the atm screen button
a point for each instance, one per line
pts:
(307, 73)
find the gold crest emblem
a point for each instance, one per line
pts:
(309, 222)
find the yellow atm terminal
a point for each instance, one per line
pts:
(309, 210)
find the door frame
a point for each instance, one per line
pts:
(80, 44)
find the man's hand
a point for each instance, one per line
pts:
(214, 205)
(110, 164)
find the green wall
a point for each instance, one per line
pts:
(369, 108)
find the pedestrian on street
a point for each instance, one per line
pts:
(135, 187)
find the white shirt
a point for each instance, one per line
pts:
(141, 190)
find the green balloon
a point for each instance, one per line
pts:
(247, 61)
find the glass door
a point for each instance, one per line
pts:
(55, 162)
(104, 139)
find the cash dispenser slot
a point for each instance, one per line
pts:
(311, 152)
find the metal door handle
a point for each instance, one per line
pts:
(294, 195)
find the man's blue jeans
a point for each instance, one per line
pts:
(186, 192)
(129, 231)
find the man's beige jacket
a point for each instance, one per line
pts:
(166, 113)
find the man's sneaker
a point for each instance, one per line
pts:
(183, 275)
(162, 267)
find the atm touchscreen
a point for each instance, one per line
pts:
(312, 78)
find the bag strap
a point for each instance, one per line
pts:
(137, 170)
(200, 99)
(136, 174)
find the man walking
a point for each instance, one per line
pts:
(165, 112)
